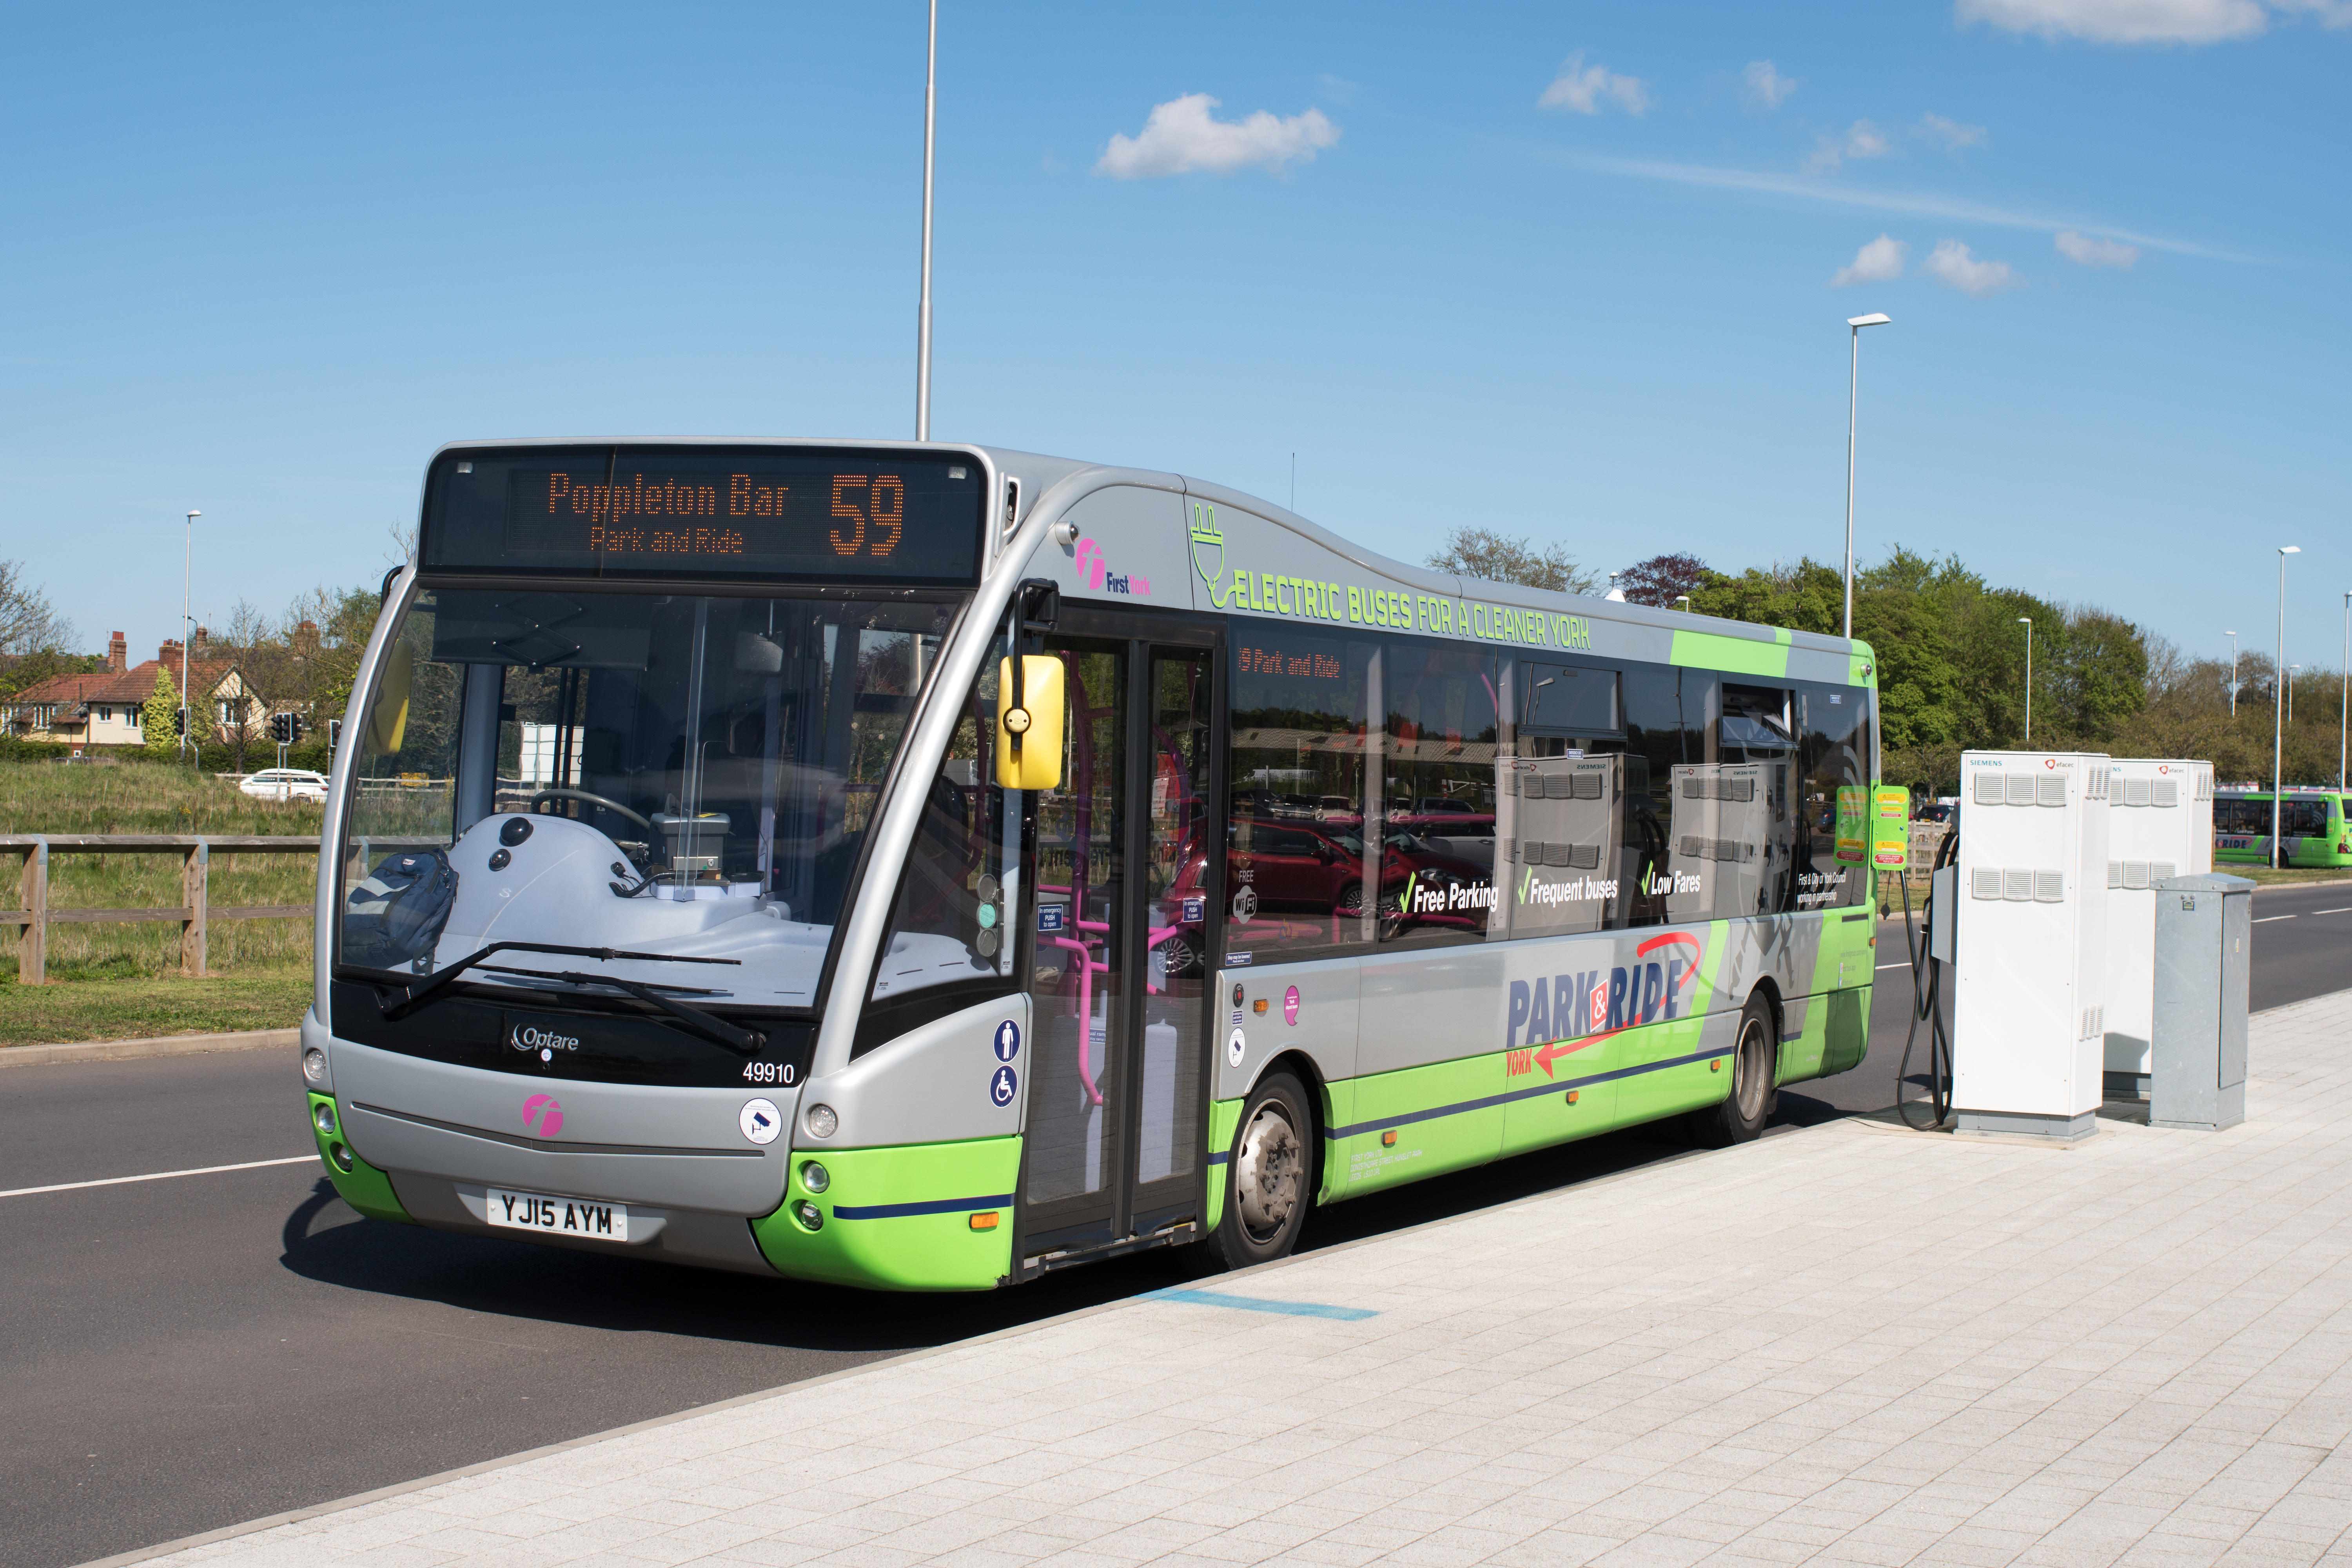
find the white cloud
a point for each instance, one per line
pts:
(2091, 252)
(1880, 261)
(1951, 132)
(1580, 87)
(1952, 265)
(1766, 86)
(1862, 139)
(1181, 136)
(2121, 21)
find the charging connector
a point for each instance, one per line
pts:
(1927, 986)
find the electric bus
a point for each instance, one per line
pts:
(2313, 828)
(933, 866)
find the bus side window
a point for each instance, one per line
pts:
(1832, 817)
(1667, 717)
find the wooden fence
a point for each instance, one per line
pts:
(195, 913)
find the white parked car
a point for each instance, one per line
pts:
(285, 784)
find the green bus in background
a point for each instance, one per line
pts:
(2313, 826)
(926, 867)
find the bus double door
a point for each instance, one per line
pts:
(1128, 866)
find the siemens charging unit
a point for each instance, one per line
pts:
(2030, 916)
(2159, 824)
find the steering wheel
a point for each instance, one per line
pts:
(593, 800)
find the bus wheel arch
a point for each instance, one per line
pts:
(1271, 1166)
(1751, 1096)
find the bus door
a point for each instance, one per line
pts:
(1129, 860)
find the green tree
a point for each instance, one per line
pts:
(156, 718)
(1492, 557)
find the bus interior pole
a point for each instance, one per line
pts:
(923, 308)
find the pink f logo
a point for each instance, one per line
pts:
(549, 1123)
(1091, 564)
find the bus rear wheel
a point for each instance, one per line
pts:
(1754, 1055)
(1269, 1174)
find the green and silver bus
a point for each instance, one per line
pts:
(2313, 828)
(924, 867)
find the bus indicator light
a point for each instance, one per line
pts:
(1387, 1140)
(1571, 1096)
(985, 1221)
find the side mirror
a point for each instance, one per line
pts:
(1890, 827)
(1030, 722)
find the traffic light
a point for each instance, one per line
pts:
(179, 720)
(284, 728)
(334, 733)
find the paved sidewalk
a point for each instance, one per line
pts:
(1847, 1345)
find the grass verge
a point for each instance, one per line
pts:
(130, 1009)
(2288, 875)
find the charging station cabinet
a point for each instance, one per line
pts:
(2159, 824)
(2030, 913)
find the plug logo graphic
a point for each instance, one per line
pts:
(542, 1115)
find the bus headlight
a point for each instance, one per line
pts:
(809, 1214)
(322, 1115)
(314, 1065)
(341, 1156)
(821, 1122)
(815, 1177)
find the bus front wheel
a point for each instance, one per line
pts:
(1269, 1173)
(1754, 1055)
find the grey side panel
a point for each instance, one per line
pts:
(1435, 1005)
(1129, 549)
(626, 1142)
(1326, 1030)
(674, 1236)
(931, 1085)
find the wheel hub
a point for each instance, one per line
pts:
(1268, 1173)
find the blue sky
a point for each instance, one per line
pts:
(1565, 271)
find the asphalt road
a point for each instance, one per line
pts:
(193, 1352)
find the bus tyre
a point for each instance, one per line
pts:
(1269, 1175)
(1754, 1055)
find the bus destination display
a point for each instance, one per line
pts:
(891, 515)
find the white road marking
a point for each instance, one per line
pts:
(2267, 919)
(2342, 911)
(159, 1176)
(1895, 966)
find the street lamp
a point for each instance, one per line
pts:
(2344, 719)
(923, 311)
(2234, 668)
(2278, 710)
(1853, 398)
(187, 571)
(2027, 622)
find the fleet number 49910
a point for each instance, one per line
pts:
(770, 1072)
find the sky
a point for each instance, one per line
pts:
(1570, 272)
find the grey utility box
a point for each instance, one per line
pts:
(2204, 928)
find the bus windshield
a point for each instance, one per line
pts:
(688, 776)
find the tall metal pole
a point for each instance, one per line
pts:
(187, 573)
(2028, 622)
(1853, 403)
(1853, 411)
(2343, 717)
(923, 324)
(2233, 669)
(2278, 710)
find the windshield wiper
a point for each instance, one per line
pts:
(412, 997)
(694, 1020)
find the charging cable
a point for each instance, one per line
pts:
(1926, 993)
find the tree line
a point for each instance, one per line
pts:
(1951, 652)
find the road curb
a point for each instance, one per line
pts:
(157, 1046)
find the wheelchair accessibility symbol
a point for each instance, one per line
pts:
(1000, 1087)
(1008, 1040)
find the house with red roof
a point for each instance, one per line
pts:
(102, 708)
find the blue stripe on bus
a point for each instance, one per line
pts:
(1488, 1101)
(937, 1206)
